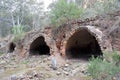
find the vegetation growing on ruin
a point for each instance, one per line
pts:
(63, 12)
(18, 32)
(103, 70)
(116, 58)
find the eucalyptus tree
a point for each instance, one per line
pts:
(19, 12)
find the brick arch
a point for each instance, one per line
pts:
(30, 38)
(39, 42)
(38, 35)
(102, 41)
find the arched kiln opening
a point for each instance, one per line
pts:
(82, 44)
(39, 46)
(11, 47)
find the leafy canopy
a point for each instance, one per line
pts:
(64, 11)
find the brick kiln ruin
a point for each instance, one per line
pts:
(77, 42)
(76, 39)
(84, 41)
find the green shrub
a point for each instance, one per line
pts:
(102, 70)
(63, 12)
(116, 58)
(113, 57)
(18, 32)
(1, 53)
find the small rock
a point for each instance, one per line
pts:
(2, 62)
(30, 77)
(48, 58)
(65, 69)
(21, 77)
(58, 73)
(35, 74)
(36, 79)
(114, 78)
(66, 65)
(66, 73)
(13, 77)
(2, 70)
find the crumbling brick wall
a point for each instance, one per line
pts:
(104, 24)
(103, 42)
(23, 46)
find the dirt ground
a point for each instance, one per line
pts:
(38, 67)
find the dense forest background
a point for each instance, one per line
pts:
(18, 16)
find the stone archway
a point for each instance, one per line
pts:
(84, 42)
(36, 43)
(82, 45)
(39, 46)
